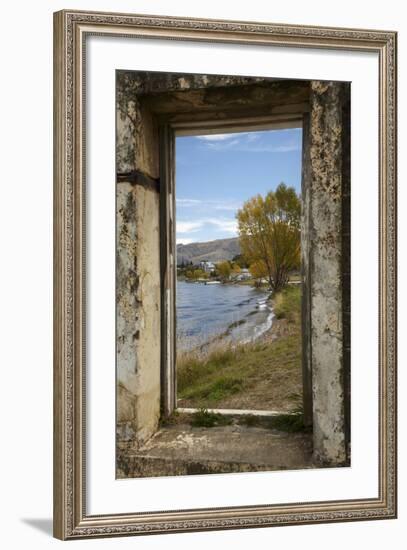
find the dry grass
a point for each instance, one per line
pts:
(287, 304)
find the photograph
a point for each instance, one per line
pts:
(234, 263)
(224, 274)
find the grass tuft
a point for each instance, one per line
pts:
(291, 423)
(206, 419)
(288, 423)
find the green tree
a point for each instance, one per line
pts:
(269, 231)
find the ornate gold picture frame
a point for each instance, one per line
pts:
(71, 517)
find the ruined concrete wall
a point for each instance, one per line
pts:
(137, 272)
(306, 275)
(138, 311)
(136, 132)
(326, 175)
(346, 257)
(127, 323)
(140, 83)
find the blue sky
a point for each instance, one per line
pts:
(215, 174)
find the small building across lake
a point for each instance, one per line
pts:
(208, 267)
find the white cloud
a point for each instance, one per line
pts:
(184, 241)
(212, 204)
(232, 207)
(188, 202)
(248, 142)
(251, 146)
(217, 137)
(189, 227)
(229, 145)
(224, 225)
(228, 226)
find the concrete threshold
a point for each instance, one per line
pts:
(182, 449)
(236, 412)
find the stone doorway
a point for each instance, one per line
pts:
(151, 109)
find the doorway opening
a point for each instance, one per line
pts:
(238, 284)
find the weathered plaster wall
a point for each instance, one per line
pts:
(306, 274)
(127, 315)
(138, 311)
(346, 257)
(138, 272)
(326, 278)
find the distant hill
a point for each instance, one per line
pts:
(211, 251)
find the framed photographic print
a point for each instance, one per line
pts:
(225, 274)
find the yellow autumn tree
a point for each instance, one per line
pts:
(269, 232)
(258, 271)
(224, 269)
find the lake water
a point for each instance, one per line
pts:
(204, 311)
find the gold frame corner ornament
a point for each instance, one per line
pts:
(70, 518)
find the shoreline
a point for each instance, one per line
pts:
(225, 336)
(274, 327)
(278, 328)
